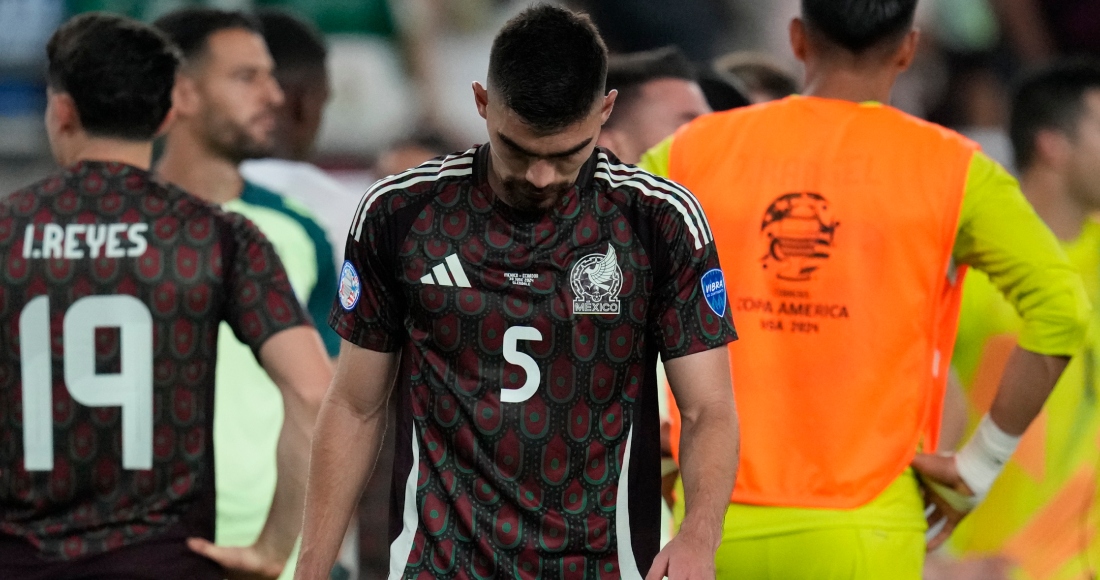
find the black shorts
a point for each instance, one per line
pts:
(163, 557)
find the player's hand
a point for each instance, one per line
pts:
(943, 488)
(684, 558)
(243, 563)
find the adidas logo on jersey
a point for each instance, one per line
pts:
(447, 273)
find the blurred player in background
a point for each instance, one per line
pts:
(225, 101)
(113, 289)
(1040, 517)
(299, 52)
(658, 93)
(845, 227)
(519, 294)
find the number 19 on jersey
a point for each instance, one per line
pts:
(131, 388)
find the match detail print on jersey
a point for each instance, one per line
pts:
(527, 413)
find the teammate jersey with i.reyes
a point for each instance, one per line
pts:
(112, 287)
(528, 436)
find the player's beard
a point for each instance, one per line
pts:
(521, 195)
(232, 140)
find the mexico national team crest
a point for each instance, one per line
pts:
(596, 280)
(349, 286)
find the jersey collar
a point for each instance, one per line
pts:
(481, 168)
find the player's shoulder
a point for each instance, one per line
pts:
(663, 202)
(932, 131)
(392, 193)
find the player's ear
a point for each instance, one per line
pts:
(799, 40)
(907, 51)
(185, 95)
(608, 105)
(481, 99)
(1052, 148)
(62, 113)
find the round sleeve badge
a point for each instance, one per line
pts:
(350, 289)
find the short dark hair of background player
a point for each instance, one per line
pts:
(119, 73)
(1050, 98)
(190, 28)
(297, 46)
(549, 66)
(859, 25)
(630, 72)
(299, 51)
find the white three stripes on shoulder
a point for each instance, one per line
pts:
(678, 197)
(451, 166)
(447, 273)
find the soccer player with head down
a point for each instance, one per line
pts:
(113, 287)
(514, 298)
(846, 229)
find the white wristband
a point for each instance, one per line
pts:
(983, 457)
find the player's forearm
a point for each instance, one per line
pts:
(709, 451)
(1025, 385)
(284, 519)
(345, 448)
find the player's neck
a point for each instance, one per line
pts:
(847, 84)
(190, 165)
(133, 153)
(1049, 194)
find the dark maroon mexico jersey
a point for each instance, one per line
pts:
(112, 287)
(528, 436)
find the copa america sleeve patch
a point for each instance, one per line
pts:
(350, 288)
(714, 290)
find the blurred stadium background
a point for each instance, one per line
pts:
(401, 69)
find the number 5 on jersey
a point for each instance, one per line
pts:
(131, 388)
(512, 336)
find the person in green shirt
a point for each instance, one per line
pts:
(224, 100)
(1039, 519)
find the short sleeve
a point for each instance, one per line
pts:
(368, 310)
(692, 312)
(260, 301)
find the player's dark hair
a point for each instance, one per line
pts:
(295, 45)
(758, 73)
(119, 73)
(191, 28)
(628, 73)
(1050, 98)
(549, 65)
(857, 25)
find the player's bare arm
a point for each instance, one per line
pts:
(710, 439)
(297, 363)
(345, 447)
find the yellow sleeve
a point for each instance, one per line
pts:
(656, 160)
(1000, 234)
